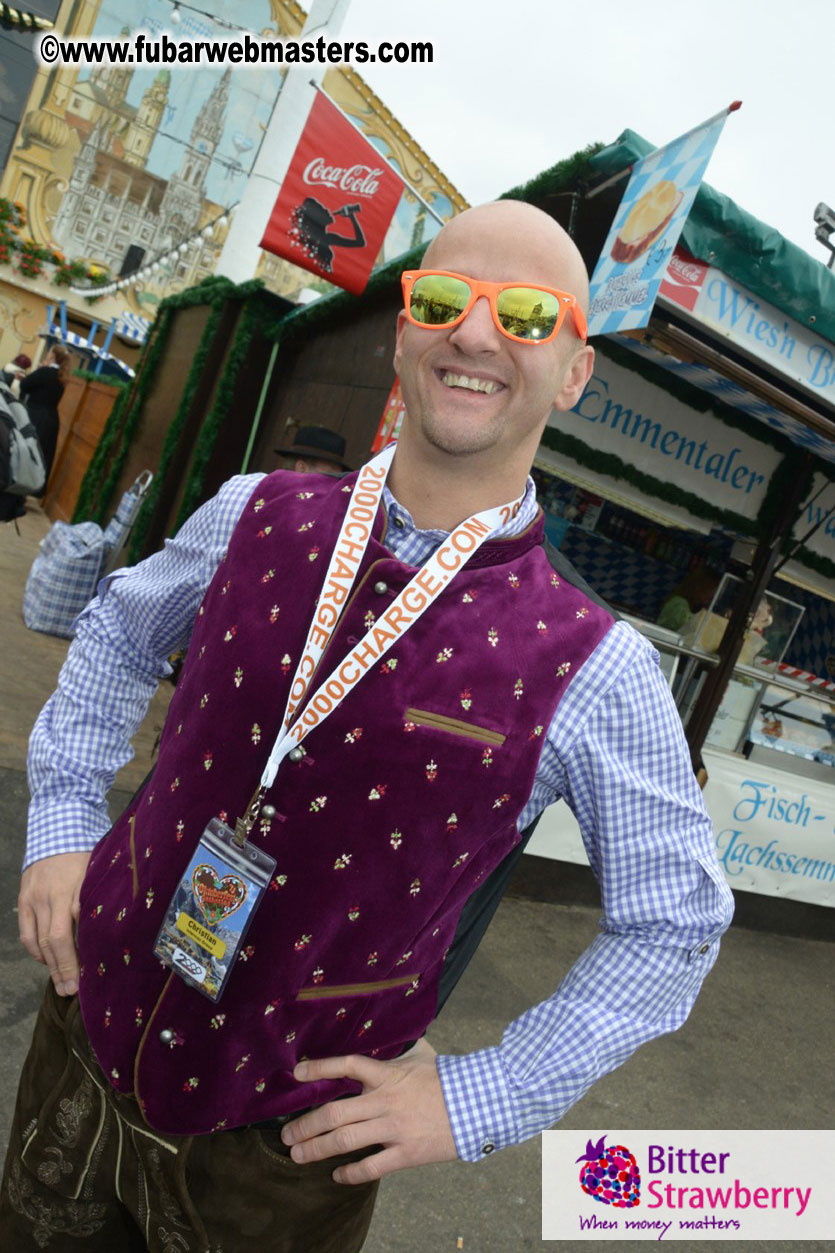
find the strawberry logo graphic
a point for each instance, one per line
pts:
(610, 1175)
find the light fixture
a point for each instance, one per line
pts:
(176, 15)
(825, 219)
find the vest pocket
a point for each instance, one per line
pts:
(320, 992)
(456, 726)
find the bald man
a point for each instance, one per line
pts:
(465, 683)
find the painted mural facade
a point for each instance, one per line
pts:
(115, 166)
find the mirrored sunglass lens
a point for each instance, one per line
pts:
(436, 299)
(528, 313)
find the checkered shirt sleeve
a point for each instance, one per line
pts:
(616, 754)
(139, 616)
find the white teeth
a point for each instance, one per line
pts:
(475, 385)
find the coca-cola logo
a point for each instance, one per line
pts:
(360, 180)
(686, 271)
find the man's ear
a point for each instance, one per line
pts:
(402, 323)
(575, 379)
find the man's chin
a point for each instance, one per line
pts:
(462, 445)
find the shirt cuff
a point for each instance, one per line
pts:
(63, 827)
(479, 1103)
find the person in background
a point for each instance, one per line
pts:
(41, 391)
(15, 371)
(315, 450)
(693, 593)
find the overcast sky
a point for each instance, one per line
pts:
(516, 86)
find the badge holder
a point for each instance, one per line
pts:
(204, 926)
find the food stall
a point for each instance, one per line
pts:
(694, 482)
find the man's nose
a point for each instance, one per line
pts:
(478, 332)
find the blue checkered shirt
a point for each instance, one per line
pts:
(615, 753)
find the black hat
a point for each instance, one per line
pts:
(319, 442)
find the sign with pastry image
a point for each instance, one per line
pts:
(646, 220)
(658, 197)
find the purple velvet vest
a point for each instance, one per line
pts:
(408, 796)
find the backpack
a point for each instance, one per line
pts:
(22, 471)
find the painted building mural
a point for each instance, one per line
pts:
(117, 167)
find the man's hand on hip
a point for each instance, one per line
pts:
(47, 914)
(401, 1107)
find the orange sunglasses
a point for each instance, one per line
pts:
(525, 312)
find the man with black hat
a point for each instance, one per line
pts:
(315, 450)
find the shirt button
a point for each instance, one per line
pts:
(488, 1147)
(399, 523)
(381, 588)
(166, 1036)
(296, 754)
(705, 948)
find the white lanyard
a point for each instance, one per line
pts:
(414, 600)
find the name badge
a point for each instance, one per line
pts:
(213, 904)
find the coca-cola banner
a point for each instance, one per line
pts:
(336, 201)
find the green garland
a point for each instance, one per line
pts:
(611, 465)
(94, 495)
(779, 483)
(248, 323)
(175, 430)
(815, 561)
(566, 175)
(90, 376)
(328, 308)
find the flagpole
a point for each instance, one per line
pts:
(711, 121)
(394, 171)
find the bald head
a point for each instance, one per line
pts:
(514, 241)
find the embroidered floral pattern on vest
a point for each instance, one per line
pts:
(396, 829)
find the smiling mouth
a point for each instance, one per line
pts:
(487, 387)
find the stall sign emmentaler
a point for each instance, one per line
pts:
(622, 413)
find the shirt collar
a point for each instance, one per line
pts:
(400, 518)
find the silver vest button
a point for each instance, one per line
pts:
(166, 1036)
(381, 588)
(297, 753)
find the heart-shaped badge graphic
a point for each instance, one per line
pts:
(217, 898)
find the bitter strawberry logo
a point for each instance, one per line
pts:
(610, 1175)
